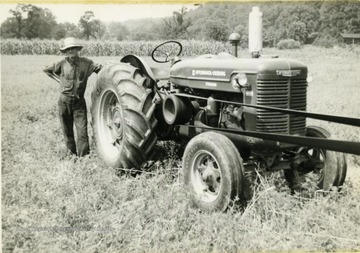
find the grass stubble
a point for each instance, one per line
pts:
(55, 205)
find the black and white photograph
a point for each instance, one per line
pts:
(229, 126)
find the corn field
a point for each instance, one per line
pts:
(108, 48)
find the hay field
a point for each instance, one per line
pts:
(54, 205)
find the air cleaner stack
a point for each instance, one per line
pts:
(255, 32)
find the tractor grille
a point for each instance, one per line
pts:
(288, 94)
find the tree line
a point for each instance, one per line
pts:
(304, 22)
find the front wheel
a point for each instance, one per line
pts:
(322, 168)
(123, 119)
(213, 171)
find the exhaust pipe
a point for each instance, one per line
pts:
(255, 32)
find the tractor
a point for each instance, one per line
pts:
(234, 113)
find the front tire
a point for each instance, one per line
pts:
(329, 167)
(213, 171)
(123, 119)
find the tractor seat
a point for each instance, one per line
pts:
(161, 73)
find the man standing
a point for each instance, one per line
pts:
(72, 73)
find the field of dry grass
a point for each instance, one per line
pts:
(54, 205)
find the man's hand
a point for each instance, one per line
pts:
(97, 68)
(55, 77)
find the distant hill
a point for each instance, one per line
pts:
(144, 24)
(281, 20)
(317, 22)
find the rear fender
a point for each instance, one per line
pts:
(139, 63)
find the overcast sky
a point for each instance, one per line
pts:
(105, 12)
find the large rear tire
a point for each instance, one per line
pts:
(123, 119)
(328, 168)
(213, 171)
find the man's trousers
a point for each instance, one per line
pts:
(72, 111)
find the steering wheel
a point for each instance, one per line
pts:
(169, 49)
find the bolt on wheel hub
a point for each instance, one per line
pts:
(116, 125)
(206, 176)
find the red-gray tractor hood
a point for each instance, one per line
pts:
(215, 72)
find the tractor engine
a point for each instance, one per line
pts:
(232, 117)
(212, 90)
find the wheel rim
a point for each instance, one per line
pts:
(318, 158)
(110, 123)
(206, 176)
(314, 165)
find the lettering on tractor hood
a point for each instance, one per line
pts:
(222, 69)
(199, 72)
(288, 73)
(216, 73)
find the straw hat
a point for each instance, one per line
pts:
(68, 43)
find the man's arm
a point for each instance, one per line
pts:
(50, 71)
